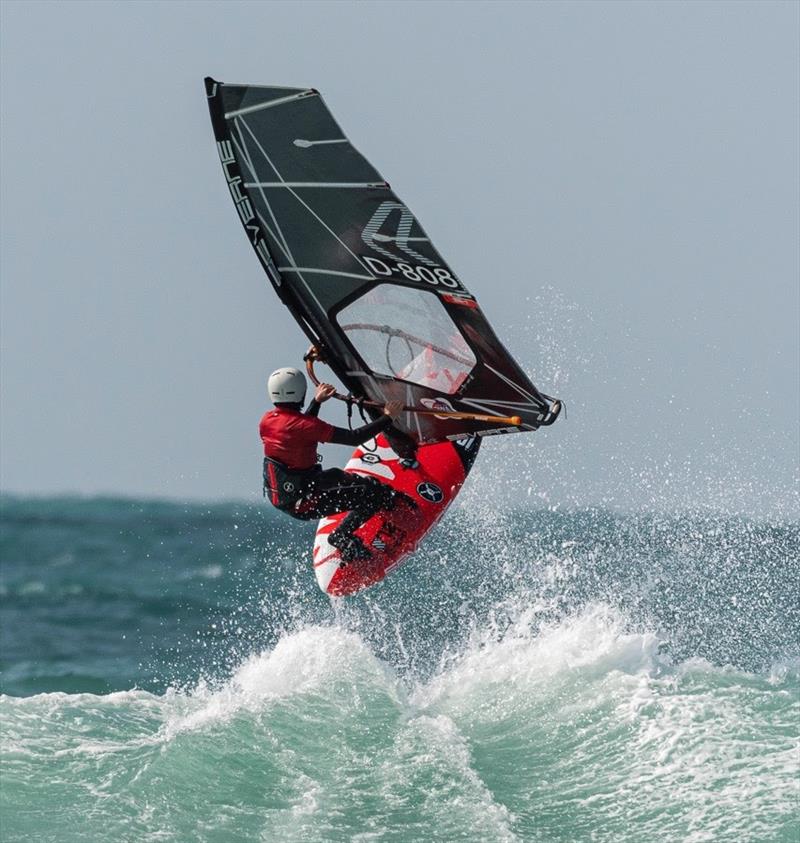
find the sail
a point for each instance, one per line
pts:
(358, 271)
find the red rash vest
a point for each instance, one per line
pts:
(290, 437)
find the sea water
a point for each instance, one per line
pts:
(172, 673)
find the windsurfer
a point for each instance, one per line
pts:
(293, 478)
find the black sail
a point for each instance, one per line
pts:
(357, 270)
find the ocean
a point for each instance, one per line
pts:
(170, 672)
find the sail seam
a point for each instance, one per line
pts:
(305, 205)
(229, 115)
(320, 271)
(281, 241)
(287, 250)
(338, 184)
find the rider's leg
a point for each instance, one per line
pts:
(336, 491)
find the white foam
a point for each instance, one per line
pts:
(432, 749)
(660, 746)
(522, 657)
(301, 662)
(529, 724)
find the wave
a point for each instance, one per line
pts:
(529, 675)
(575, 729)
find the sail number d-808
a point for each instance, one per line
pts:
(434, 275)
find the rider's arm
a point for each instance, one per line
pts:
(341, 436)
(323, 392)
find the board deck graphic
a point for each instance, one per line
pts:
(432, 484)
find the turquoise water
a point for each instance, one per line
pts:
(171, 672)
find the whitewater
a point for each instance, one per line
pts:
(170, 672)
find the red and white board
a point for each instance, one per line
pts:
(432, 483)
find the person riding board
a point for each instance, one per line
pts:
(297, 484)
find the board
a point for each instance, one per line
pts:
(432, 483)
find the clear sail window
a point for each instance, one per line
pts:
(407, 334)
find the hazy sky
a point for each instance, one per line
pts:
(617, 183)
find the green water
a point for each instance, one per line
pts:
(172, 673)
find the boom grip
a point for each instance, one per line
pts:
(313, 354)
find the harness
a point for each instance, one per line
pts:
(286, 486)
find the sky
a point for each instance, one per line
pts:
(617, 183)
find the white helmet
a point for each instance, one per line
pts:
(287, 386)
